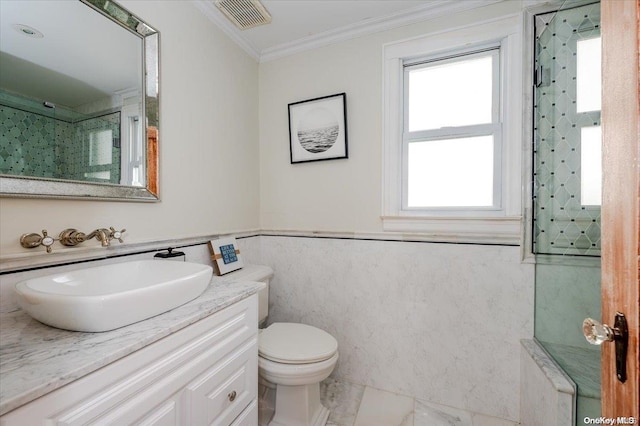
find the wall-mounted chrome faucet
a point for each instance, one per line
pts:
(71, 237)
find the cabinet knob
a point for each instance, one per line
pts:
(232, 396)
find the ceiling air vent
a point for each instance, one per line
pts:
(244, 13)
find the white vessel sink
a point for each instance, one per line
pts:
(106, 297)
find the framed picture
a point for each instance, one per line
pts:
(318, 129)
(225, 255)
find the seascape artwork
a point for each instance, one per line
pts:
(318, 129)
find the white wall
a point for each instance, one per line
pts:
(440, 322)
(208, 144)
(337, 195)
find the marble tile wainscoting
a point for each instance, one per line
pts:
(439, 322)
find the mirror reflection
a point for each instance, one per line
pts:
(74, 105)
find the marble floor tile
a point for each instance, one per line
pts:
(430, 414)
(356, 405)
(342, 399)
(384, 408)
(266, 404)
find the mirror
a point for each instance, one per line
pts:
(78, 101)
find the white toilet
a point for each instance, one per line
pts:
(293, 359)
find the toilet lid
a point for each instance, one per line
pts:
(291, 343)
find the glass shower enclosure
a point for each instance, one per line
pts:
(567, 176)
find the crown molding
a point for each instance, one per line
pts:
(425, 12)
(209, 10)
(421, 13)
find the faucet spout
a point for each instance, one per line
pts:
(102, 235)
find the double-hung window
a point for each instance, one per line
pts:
(452, 134)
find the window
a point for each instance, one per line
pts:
(100, 156)
(588, 105)
(452, 137)
(588, 74)
(451, 132)
(591, 166)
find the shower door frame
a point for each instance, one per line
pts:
(621, 198)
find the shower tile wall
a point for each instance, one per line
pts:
(35, 145)
(27, 143)
(79, 161)
(562, 224)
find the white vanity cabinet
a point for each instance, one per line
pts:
(203, 374)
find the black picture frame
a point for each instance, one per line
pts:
(318, 129)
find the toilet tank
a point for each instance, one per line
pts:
(258, 273)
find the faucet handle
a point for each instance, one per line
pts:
(116, 234)
(34, 240)
(47, 241)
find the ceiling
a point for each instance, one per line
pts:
(299, 25)
(55, 66)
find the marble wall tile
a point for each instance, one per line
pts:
(547, 395)
(482, 420)
(441, 322)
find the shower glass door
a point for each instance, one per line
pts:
(567, 192)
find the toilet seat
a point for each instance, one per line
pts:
(291, 343)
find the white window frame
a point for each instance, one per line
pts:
(500, 224)
(494, 128)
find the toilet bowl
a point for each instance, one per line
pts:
(296, 358)
(292, 359)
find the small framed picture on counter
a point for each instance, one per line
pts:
(225, 255)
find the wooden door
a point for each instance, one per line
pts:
(621, 199)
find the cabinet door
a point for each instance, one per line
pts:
(220, 394)
(166, 414)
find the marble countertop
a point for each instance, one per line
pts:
(36, 359)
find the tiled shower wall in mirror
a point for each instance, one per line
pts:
(37, 141)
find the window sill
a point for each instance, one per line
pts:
(502, 230)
